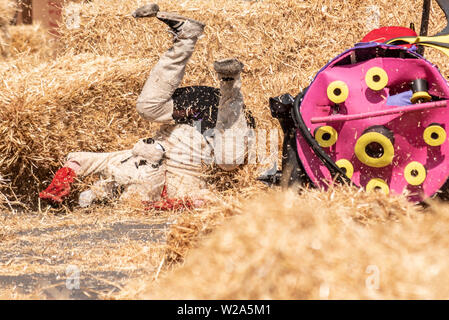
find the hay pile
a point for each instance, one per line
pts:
(31, 41)
(336, 244)
(191, 227)
(84, 98)
(7, 9)
(62, 106)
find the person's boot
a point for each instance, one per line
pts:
(147, 11)
(231, 100)
(181, 26)
(59, 187)
(228, 69)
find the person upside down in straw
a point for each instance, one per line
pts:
(166, 169)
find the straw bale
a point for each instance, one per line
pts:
(7, 10)
(320, 245)
(282, 43)
(82, 102)
(31, 40)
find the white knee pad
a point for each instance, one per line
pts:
(149, 149)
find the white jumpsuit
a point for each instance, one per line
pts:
(176, 157)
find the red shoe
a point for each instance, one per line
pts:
(59, 188)
(166, 203)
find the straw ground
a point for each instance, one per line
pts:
(340, 244)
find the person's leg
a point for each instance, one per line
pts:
(231, 138)
(80, 164)
(139, 172)
(87, 163)
(155, 101)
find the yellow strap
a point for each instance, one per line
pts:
(422, 41)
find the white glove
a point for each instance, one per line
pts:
(86, 198)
